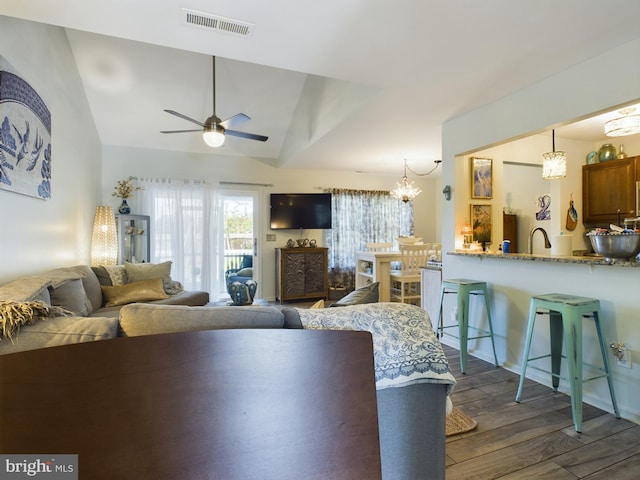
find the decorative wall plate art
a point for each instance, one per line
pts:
(25, 136)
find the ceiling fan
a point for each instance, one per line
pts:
(213, 129)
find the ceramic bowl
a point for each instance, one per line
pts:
(408, 240)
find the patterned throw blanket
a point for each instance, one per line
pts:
(405, 347)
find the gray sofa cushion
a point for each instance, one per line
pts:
(60, 331)
(146, 319)
(186, 297)
(291, 318)
(89, 282)
(71, 297)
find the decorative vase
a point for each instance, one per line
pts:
(592, 158)
(621, 153)
(124, 207)
(607, 152)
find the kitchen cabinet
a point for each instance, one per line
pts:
(301, 273)
(510, 230)
(134, 242)
(610, 191)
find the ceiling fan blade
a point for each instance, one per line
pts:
(235, 120)
(188, 119)
(250, 136)
(181, 131)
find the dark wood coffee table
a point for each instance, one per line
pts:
(225, 404)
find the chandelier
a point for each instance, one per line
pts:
(554, 164)
(405, 190)
(626, 125)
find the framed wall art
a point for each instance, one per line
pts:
(481, 178)
(481, 223)
(543, 207)
(25, 136)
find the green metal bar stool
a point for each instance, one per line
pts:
(566, 313)
(464, 288)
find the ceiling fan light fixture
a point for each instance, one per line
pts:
(626, 125)
(213, 136)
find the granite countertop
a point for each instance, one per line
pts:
(577, 259)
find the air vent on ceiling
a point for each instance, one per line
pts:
(217, 23)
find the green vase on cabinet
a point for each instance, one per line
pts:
(607, 152)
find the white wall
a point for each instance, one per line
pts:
(40, 234)
(575, 93)
(120, 163)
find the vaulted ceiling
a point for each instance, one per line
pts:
(355, 85)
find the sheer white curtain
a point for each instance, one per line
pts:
(361, 216)
(184, 217)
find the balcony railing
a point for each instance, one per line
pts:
(237, 260)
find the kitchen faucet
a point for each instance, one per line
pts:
(547, 244)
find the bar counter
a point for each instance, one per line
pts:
(526, 257)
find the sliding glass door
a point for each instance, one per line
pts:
(239, 252)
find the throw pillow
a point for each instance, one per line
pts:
(143, 291)
(102, 275)
(146, 271)
(117, 274)
(318, 304)
(367, 294)
(71, 297)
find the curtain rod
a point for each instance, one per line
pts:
(221, 183)
(248, 183)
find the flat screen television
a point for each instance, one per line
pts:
(300, 210)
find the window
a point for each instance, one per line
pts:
(361, 216)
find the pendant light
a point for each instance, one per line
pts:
(405, 190)
(554, 164)
(626, 125)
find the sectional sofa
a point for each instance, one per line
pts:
(80, 304)
(413, 380)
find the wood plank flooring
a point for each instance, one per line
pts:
(534, 438)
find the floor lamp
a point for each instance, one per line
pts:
(104, 240)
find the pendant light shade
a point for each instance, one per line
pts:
(626, 125)
(104, 240)
(554, 164)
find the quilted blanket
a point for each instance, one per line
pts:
(405, 347)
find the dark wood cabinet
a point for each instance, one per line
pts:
(301, 273)
(510, 230)
(609, 191)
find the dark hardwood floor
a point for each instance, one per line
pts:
(534, 438)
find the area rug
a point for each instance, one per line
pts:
(459, 422)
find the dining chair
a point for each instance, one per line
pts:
(405, 283)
